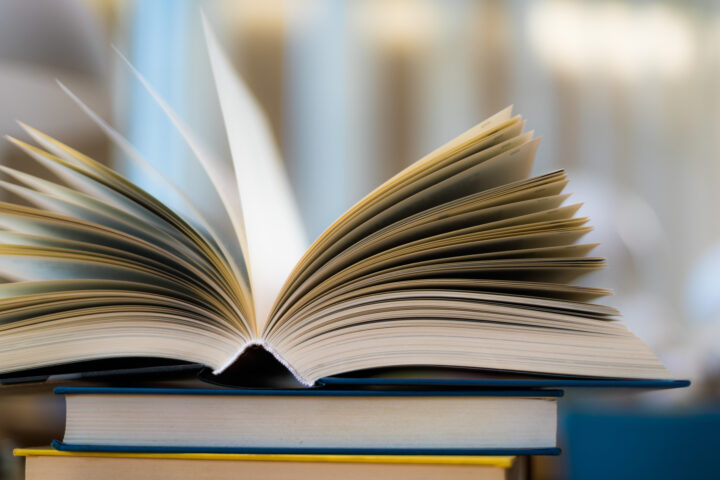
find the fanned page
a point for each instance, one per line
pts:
(460, 260)
(275, 235)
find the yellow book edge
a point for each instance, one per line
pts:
(491, 461)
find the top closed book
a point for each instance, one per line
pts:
(460, 260)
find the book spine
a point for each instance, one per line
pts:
(268, 348)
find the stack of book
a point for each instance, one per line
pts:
(344, 428)
(459, 261)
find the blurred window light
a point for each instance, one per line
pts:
(159, 38)
(702, 290)
(272, 16)
(638, 225)
(625, 41)
(401, 25)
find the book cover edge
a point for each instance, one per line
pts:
(61, 446)
(497, 461)
(550, 393)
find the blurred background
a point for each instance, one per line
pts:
(624, 94)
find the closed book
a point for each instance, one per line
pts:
(431, 422)
(46, 462)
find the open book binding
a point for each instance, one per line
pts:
(460, 260)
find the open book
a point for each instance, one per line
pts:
(459, 260)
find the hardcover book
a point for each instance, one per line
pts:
(460, 260)
(41, 463)
(311, 421)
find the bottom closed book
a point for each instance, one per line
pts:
(43, 463)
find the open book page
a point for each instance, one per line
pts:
(273, 227)
(60, 321)
(162, 188)
(491, 137)
(219, 173)
(103, 197)
(103, 269)
(498, 164)
(460, 259)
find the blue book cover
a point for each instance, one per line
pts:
(308, 392)
(57, 445)
(138, 371)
